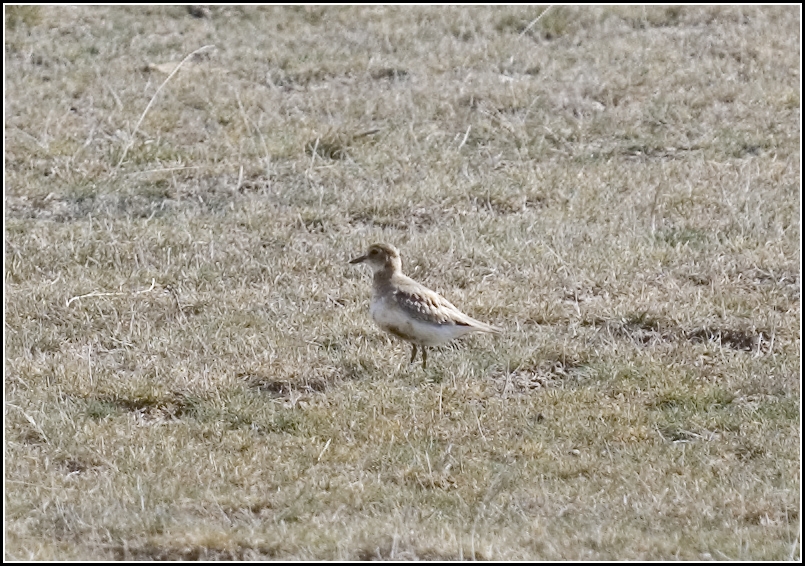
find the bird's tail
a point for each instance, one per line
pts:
(488, 328)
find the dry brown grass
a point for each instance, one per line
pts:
(190, 368)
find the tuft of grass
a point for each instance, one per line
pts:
(26, 15)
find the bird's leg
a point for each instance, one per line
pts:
(413, 354)
(424, 357)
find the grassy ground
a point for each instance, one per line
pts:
(191, 371)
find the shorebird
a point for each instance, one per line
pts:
(411, 311)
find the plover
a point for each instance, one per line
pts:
(411, 311)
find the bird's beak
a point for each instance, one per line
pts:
(358, 259)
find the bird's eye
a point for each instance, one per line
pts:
(373, 252)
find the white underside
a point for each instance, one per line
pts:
(391, 318)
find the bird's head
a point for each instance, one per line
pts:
(381, 257)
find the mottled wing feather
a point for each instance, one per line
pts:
(429, 307)
(420, 303)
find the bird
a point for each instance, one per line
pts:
(411, 311)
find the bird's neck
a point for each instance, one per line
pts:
(383, 276)
(392, 267)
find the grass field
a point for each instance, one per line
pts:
(191, 371)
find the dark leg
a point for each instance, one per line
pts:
(424, 357)
(413, 354)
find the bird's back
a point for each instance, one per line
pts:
(421, 303)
